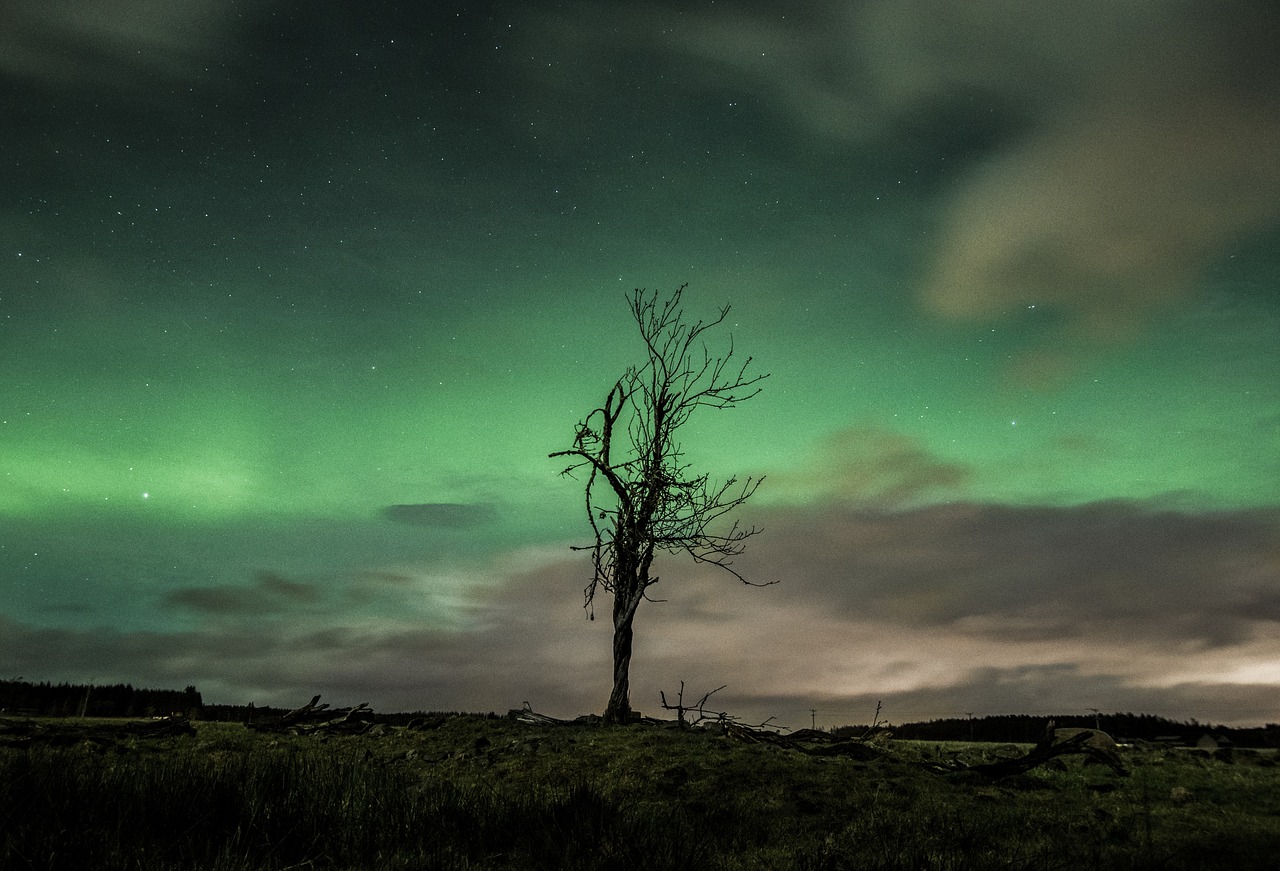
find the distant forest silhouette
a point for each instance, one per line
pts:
(20, 698)
(1028, 729)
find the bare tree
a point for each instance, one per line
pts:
(641, 495)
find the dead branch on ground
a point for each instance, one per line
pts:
(316, 718)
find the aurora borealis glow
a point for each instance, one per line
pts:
(295, 299)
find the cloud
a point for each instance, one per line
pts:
(1116, 206)
(83, 43)
(1109, 571)
(868, 465)
(526, 642)
(272, 593)
(936, 610)
(1104, 154)
(1151, 149)
(442, 515)
(1038, 690)
(282, 588)
(221, 600)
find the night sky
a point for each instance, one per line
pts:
(296, 297)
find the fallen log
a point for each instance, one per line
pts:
(317, 718)
(528, 715)
(1090, 743)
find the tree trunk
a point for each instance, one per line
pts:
(619, 709)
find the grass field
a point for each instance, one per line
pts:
(486, 793)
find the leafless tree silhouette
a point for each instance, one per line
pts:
(641, 495)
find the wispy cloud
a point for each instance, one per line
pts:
(1106, 153)
(865, 465)
(86, 44)
(1116, 205)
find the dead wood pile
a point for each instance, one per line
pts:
(811, 741)
(316, 718)
(1094, 745)
(528, 715)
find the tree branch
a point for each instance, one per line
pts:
(653, 501)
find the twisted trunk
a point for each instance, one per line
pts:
(624, 615)
(619, 710)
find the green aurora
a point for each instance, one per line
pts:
(368, 259)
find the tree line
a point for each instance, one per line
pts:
(21, 698)
(1027, 729)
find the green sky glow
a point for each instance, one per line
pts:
(245, 307)
(244, 412)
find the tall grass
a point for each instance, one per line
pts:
(483, 795)
(330, 806)
(333, 806)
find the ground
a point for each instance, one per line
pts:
(476, 792)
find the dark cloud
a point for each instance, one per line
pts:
(271, 593)
(143, 657)
(222, 600)
(1106, 571)
(442, 515)
(280, 587)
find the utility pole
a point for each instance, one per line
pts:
(813, 717)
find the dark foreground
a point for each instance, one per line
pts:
(470, 792)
